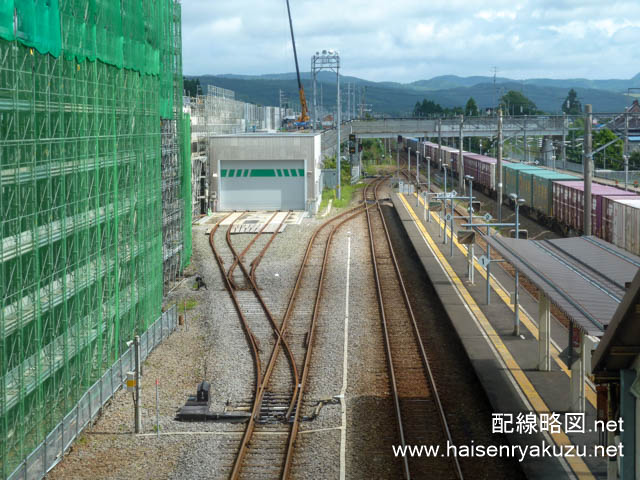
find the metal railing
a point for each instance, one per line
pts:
(51, 451)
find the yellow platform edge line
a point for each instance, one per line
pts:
(525, 318)
(578, 466)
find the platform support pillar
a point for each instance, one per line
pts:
(612, 464)
(628, 414)
(544, 339)
(578, 377)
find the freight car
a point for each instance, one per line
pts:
(552, 198)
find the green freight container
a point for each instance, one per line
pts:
(510, 176)
(525, 185)
(542, 186)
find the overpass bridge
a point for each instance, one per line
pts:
(528, 125)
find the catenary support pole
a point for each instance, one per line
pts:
(499, 166)
(339, 126)
(564, 141)
(417, 177)
(439, 142)
(460, 156)
(488, 268)
(516, 292)
(398, 162)
(470, 246)
(428, 187)
(587, 164)
(626, 152)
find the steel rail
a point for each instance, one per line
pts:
(425, 360)
(394, 388)
(246, 249)
(256, 261)
(261, 387)
(248, 333)
(293, 434)
(280, 341)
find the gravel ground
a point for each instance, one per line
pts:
(213, 344)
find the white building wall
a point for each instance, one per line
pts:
(266, 148)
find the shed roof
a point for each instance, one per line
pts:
(584, 276)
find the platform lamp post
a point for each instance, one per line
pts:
(417, 178)
(427, 193)
(444, 204)
(516, 297)
(409, 165)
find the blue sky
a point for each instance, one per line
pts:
(407, 40)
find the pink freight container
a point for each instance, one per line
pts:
(485, 169)
(568, 204)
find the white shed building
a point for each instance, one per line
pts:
(266, 171)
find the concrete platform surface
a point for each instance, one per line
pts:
(506, 364)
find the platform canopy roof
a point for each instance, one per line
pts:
(620, 344)
(585, 277)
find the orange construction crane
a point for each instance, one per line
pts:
(303, 119)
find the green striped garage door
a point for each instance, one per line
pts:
(262, 185)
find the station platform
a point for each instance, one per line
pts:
(507, 365)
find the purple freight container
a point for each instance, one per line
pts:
(568, 204)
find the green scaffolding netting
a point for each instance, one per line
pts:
(83, 88)
(138, 35)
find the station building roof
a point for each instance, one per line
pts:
(585, 277)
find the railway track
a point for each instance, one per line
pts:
(420, 417)
(266, 449)
(536, 232)
(260, 328)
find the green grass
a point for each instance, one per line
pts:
(187, 304)
(328, 194)
(347, 195)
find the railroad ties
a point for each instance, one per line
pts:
(420, 418)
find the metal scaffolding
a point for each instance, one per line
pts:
(86, 131)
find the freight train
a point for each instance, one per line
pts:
(552, 198)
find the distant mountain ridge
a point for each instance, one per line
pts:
(398, 99)
(453, 81)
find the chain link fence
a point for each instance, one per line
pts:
(46, 455)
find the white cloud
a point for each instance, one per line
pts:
(407, 40)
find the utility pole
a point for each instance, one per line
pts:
(460, 157)
(499, 165)
(398, 162)
(440, 142)
(348, 101)
(626, 150)
(564, 141)
(339, 128)
(587, 165)
(526, 142)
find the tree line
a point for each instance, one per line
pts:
(516, 103)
